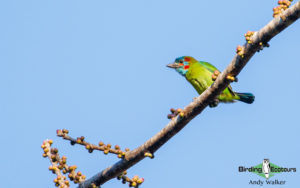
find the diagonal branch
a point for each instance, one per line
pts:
(259, 38)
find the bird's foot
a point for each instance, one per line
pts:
(215, 75)
(176, 112)
(148, 154)
(214, 103)
(231, 78)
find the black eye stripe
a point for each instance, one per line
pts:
(180, 61)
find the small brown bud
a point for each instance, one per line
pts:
(58, 132)
(60, 167)
(53, 158)
(181, 114)
(64, 159)
(54, 150)
(74, 167)
(135, 178)
(46, 150)
(172, 110)
(134, 184)
(50, 142)
(65, 131)
(179, 110)
(213, 77)
(170, 116)
(140, 180)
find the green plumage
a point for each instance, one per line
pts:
(199, 74)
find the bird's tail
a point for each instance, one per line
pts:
(246, 97)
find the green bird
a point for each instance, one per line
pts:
(200, 73)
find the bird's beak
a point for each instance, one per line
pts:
(173, 65)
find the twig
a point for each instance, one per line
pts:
(106, 148)
(196, 107)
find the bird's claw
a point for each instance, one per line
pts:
(232, 78)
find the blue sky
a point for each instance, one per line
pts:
(98, 69)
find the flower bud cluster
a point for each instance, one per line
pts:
(134, 182)
(215, 75)
(240, 51)
(59, 167)
(282, 6)
(176, 112)
(248, 36)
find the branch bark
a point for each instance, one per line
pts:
(263, 36)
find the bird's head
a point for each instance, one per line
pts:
(182, 64)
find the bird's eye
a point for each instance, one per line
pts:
(181, 61)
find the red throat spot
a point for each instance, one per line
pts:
(186, 67)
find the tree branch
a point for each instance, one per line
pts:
(259, 39)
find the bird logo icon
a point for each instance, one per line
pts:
(266, 168)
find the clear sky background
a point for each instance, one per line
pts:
(98, 68)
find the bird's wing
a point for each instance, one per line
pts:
(208, 66)
(212, 69)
